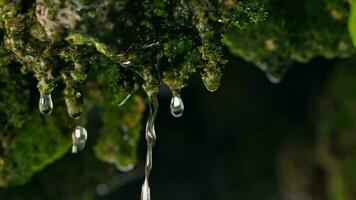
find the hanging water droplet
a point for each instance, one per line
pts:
(211, 81)
(45, 104)
(177, 106)
(79, 138)
(273, 79)
(125, 100)
(145, 193)
(125, 169)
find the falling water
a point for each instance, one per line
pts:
(79, 138)
(150, 139)
(45, 104)
(177, 106)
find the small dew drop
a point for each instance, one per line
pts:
(126, 64)
(177, 106)
(79, 138)
(102, 189)
(78, 95)
(273, 79)
(46, 104)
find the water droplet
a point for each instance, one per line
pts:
(125, 169)
(146, 193)
(46, 104)
(102, 189)
(74, 115)
(126, 64)
(211, 81)
(125, 100)
(74, 102)
(273, 79)
(79, 138)
(177, 106)
(151, 140)
(78, 94)
(126, 134)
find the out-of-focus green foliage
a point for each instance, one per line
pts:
(352, 22)
(330, 158)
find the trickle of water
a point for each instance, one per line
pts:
(79, 138)
(146, 191)
(45, 104)
(151, 140)
(177, 106)
(125, 100)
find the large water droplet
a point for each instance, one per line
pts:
(177, 106)
(46, 104)
(145, 193)
(79, 138)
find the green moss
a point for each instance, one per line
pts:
(38, 143)
(117, 143)
(352, 22)
(294, 31)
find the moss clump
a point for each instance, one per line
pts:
(294, 31)
(117, 143)
(30, 148)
